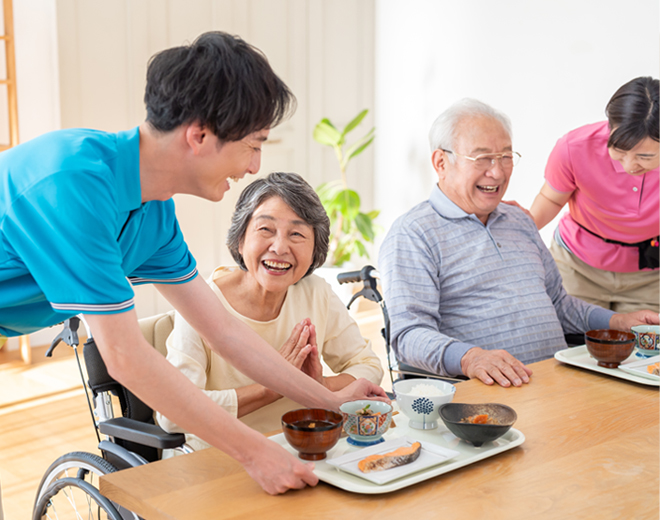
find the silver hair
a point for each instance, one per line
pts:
(298, 195)
(443, 130)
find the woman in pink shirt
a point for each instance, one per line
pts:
(606, 246)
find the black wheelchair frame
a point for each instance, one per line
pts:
(71, 482)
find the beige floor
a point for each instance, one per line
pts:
(43, 415)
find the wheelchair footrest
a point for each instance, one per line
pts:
(141, 433)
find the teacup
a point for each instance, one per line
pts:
(647, 340)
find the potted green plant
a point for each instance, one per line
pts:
(350, 228)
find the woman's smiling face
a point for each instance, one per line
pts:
(278, 246)
(643, 157)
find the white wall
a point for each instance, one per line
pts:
(37, 74)
(550, 66)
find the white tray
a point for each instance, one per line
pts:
(468, 454)
(580, 357)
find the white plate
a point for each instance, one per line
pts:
(638, 368)
(580, 357)
(431, 455)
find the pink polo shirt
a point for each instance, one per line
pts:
(606, 200)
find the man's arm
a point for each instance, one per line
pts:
(138, 366)
(249, 353)
(412, 294)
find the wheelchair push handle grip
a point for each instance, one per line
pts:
(356, 276)
(348, 277)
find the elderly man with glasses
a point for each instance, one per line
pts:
(471, 288)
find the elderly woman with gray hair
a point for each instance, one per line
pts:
(278, 236)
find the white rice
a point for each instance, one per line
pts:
(425, 390)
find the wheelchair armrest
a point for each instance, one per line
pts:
(408, 370)
(141, 433)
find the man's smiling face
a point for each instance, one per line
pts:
(472, 188)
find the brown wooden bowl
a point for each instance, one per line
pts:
(609, 347)
(312, 431)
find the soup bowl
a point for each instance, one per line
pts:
(609, 347)
(312, 431)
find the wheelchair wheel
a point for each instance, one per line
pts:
(78, 465)
(75, 499)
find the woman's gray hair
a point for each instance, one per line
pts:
(443, 130)
(298, 195)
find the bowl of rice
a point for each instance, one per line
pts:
(419, 400)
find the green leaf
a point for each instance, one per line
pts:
(328, 191)
(364, 225)
(373, 214)
(361, 249)
(356, 121)
(327, 134)
(348, 203)
(341, 254)
(359, 147)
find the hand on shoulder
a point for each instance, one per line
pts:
(515, 204)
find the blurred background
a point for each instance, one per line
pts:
(551, 66)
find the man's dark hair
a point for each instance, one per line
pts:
(220, 81)
(633, 113)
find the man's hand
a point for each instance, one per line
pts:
(276, 470)
(494, 366)
(626, 321)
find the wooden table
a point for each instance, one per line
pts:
(591, 451)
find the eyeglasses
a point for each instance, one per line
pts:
(485, 161)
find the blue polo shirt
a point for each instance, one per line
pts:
(74, 233)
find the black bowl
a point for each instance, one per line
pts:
(453, 413)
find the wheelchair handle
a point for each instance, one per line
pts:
(355, 276)
(69, 335)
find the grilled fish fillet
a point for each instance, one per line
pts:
(398, 457)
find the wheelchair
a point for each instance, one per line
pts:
(368, 275)
(70, 486)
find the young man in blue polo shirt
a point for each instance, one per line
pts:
(86, 214)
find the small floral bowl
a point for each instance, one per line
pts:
(365, 429)
(647, 340)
